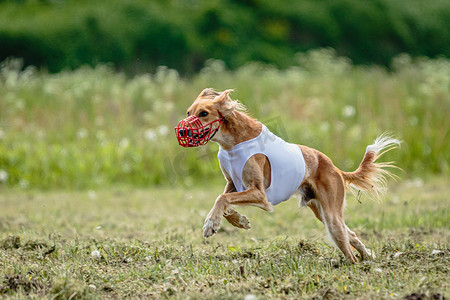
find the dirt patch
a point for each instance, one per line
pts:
(35, 245)
(420, 296)
(305, 246)
(11, 242)
(15, 283)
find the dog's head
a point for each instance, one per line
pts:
(204, 117)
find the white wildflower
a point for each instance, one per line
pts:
(96, 254)
(378, 270)
(124, 143)
(150, 135)
(169, 106)
(396, 255)
(126, 168)
(92, 195)
(415, 183)
(250, 297)
(3, 176)
(163, 130)
(324, 126)
(436, 251)
(50, 88)
(82, 133)
(348, 111)
(92, 286)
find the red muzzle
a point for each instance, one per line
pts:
(192, 133)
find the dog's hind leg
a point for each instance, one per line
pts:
(358, 245)
(336, 228)
(236, 219)
(354, 241)
(330, 195)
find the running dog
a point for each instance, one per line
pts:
(263, 170)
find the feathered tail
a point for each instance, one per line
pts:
(370, 177)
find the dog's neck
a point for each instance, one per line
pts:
(237, 128)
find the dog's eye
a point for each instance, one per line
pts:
(203, 114)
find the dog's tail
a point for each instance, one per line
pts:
(370, 177)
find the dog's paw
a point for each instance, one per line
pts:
(244, 222)
(210, 228)
(237, 220)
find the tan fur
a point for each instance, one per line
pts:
(323, 188)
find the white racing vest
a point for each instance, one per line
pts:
(286, 162)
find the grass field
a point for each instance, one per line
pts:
(93, 127)
(97, 199)
(124, 242)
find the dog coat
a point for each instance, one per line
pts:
(286, 162)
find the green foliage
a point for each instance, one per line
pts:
(95, 127)
(141, 35)
(69, 34)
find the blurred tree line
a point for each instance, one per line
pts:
(140, 35)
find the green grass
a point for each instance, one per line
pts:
(150, 246)
(89, 162)
(95, 127)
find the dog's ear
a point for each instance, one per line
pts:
(224, 104)
(208, 92)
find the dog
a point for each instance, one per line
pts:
(263, 170)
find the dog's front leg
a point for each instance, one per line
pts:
(236, 219)
(230, 214)
(212, 221)
(252, 196)
(253, 178)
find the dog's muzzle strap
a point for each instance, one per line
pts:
(214, 133)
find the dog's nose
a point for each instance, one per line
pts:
(185, 132)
